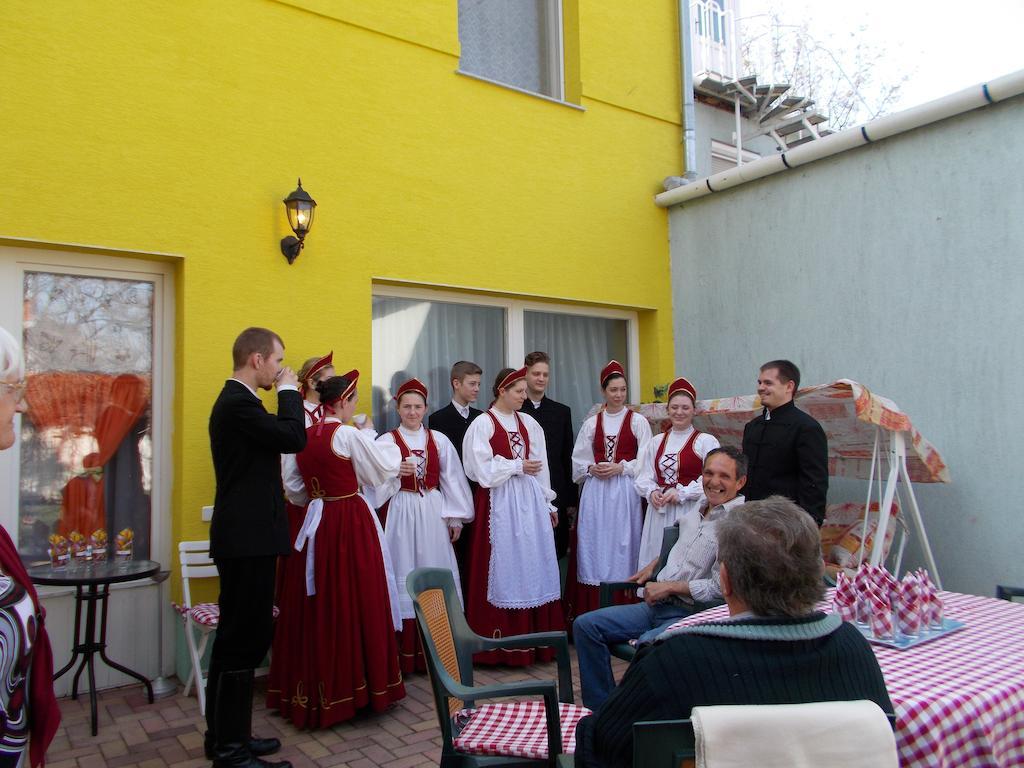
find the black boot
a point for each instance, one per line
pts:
(233, 724)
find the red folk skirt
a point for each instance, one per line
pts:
(348, 657)
(489, 621)
(410, 649)
(289, 597)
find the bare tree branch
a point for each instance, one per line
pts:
(848, 83)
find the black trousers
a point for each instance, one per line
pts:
(246, 626)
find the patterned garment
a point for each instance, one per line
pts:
(17, 636)
(669, 468)
(515, 440)
(609, 447)
(419, 457)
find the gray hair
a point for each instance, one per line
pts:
(772, 551)
(12, 365)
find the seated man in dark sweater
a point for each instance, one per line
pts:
(774, 648)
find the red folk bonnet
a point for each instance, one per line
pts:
(614, 368)
(512, 378)
(412, 385)
(324, 362)
(353, 377)
(682, 386)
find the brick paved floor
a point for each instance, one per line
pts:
(169, 732)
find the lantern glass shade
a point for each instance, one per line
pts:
(300, 216)
(300, 207)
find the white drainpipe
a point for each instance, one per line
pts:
(686, 80)
(1001, 88)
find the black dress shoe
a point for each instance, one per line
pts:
(233, 744)
(257, 747)
(237, 756)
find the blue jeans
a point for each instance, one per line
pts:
(593, 632)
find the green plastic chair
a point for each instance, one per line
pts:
(448, 647)
(1009, 593)
(664, 743)
(607, 590)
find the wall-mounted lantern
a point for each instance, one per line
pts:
(300, 207)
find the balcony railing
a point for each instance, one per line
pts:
(714, 40)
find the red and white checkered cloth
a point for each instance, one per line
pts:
(959, 699)
(206, 614)
(517, 729)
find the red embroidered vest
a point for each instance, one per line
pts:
(326, 474)
(432, 475)
(501, 443)
(625, 443)
(689, 466)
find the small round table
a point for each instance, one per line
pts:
(92, 585)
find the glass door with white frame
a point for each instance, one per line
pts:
(86, 464)
(93, 447)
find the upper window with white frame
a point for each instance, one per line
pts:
(513, 42)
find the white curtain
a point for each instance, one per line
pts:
(512, 41)
(415, 337)
(579, 347)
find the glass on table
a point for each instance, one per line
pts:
(124, 546)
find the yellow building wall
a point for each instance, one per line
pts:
(178, 127)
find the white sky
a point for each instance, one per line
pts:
(944, 46)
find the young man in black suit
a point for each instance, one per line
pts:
(556, 421)
(787, 448)
(453, 420)
(248, 532)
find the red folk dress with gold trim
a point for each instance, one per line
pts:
(513, 583)
(350, 658)
(290, 586)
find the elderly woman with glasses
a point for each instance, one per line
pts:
(29, 709)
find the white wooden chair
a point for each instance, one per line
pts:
(200, 619)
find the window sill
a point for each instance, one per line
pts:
(521, 90)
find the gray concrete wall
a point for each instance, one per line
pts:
(899, 265)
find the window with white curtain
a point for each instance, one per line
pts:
(420, 332)
(579, 346)
(515, 42)
(417, 337)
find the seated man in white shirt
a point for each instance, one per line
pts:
(687, 584)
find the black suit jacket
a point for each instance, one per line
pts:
(556, 420)
(449, 422)
(247, 443)
(788, 455)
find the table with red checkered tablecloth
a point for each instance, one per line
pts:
(959, 699)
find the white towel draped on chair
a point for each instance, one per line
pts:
(837, 734)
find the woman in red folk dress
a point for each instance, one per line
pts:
(290, 589)
(670, 468)
(513, 585)
(349, 611)
(606, 540)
